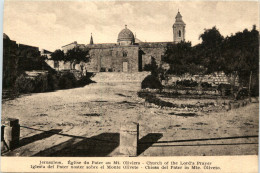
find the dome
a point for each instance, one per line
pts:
(126, 37)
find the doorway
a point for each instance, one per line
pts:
(125, 66)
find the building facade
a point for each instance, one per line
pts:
(129, 54)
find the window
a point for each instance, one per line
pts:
(179, 33)
(124, 53)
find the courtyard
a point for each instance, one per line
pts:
(86, 122)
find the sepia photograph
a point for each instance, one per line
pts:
(130, 79)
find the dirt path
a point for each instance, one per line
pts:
(86, 122)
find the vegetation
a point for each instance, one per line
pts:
(236, 55)
(74, 56)
(182, 59)
(17, 61)
(58, 55)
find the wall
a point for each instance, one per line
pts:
(214, 79)
(69, 46)
(112, 58)
(153, 49)
(61, 65)
(176, 30)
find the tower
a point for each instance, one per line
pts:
(91, 40)
(178, 29)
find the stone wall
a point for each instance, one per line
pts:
(214, 79)
(149, 53)
(61, 65)
(112, 58)
(155, 50)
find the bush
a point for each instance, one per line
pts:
(41, 83)
(102, 69)
(52, 82)
(84, 81)
(67, 80)
(186, 83)
(151, 82)
(25, 84)
(206, 85)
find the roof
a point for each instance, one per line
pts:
(125, 35)
(178, 15)
(137, 40)
(178, 19)
(45, 51)
(70, 44)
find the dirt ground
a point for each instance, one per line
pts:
(86, 122)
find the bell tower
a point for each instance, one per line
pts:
(91, 40)
(178, 29)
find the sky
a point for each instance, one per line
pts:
(52, 24)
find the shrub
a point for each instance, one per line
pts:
(66, 80)
(186, 83)
(52, 82)
(102, 69)
(206, 85)
(84, 81)
(40, 83)
(24, 84)
(151, 82)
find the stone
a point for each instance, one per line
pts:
(234, 105)
(129, 135)
(10, 122)
(11, 133)
(254, 100)
(227, 107)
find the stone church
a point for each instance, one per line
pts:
(129, 54)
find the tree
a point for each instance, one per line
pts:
(182, 59)
(210, 50)
(241, 56)
(58, 55)
(77, 55)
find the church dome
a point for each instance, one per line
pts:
(126, 37)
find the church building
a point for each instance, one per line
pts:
(129, 54)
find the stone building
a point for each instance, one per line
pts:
(129, 54)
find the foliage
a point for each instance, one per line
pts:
(186, 83)
(25, 84)
(182, 60)
(77, 55)
(241, 54)
(210, 50)
(236, 55)
(58, 55)
(66, 80)
(151, 82)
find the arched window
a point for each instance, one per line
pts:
(179, 33)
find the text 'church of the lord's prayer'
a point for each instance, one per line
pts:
(129, 54)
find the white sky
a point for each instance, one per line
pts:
(52, 24)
